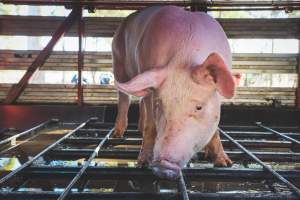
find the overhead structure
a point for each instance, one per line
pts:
(207, 5)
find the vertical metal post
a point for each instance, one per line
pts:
(298, 73)
(80, 58)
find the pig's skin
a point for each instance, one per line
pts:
(177, 61)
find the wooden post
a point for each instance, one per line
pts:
(17, 89)
(298, 72)
(80, 58)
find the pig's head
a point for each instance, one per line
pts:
(186, 108)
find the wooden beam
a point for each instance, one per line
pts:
(106, 26)
(80, 58)
(17, 89)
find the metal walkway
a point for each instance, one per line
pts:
(86, 163)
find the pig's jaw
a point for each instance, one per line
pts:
(166, 169)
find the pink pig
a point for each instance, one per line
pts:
(179, 63)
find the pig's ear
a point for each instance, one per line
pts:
(214, 72)
(237, 77)
(140, 85)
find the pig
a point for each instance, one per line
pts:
(178, 62)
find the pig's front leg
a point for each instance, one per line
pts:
(141, 115)
(216, 152)
(122, 118)
(149, 132)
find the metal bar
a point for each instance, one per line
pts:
(266, 167)
(141, 4)
(137, 134)
(20, 184)
(133, 127)
(17, 89)
(182, 187)
(36, 128)
(96, 173)
(80, 58)
(20, 143)
(259, 135)
(138, 141)
(298, 74)
(278, 133)
(147, 196)
(132, 154)
(255, 128)
(29, 162)
(67, 190)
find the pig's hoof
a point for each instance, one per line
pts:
(223, 161)
(144, 160)
(119, 132)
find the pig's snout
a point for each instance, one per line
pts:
(165, 169)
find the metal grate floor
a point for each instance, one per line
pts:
(57, 160)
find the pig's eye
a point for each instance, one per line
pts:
(198, 107)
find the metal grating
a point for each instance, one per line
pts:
(82, 161)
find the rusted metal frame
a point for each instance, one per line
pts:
(80, 58)
(43, 152)
(29, 131)
(17, 89)
(67, 190)
(267, 168)
(282, 135)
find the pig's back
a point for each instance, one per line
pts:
(169, 35)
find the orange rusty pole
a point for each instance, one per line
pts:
(80, 58)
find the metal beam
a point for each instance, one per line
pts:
(106, 26)
(282, 135)
(80, 58)
(255, 135)
(256, 144)
(148, 196)
(212, 5)
(133, 154)
(29, 131)
(17, 89)
(192, 174)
